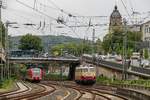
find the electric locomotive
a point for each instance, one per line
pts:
(85, 74)
(34, 74)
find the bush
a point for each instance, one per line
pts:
(55, 77)
(7, 83)
(140, 82)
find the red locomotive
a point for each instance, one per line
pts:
(34, 74)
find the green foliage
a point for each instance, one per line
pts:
(48, 41)
(23, 70)
(71, 48)
(7, 84)
(98, 47)
(146, 53)
(108, 81)
(55, 77)
(30, 42)
(107, 43)
(113, 42)
(2, 34)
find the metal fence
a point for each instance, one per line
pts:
(140, 70)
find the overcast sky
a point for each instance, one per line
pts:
(17, 12)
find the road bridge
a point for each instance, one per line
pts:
(71, 62)
(42, 60)
(110, 69)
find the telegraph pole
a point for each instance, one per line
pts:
(124, 49)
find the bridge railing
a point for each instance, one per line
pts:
(110, 64)
(105, 63)
(117, 66)
(140, 70)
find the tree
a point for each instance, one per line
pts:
(146, 53)
(2, 34)
(113, 42)
(30, 42)
(56, 50)
(98, 48)
(76, 49)
(107, 43)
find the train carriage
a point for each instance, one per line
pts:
(34, 74)
(85, 75)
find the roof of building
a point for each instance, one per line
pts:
(146, 22)
(115, 13)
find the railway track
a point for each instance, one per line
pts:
(68, 90)
(27, 91)
(93, 92)
(22, 88)
(63, 93)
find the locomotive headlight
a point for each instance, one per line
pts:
(94, 77)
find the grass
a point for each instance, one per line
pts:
(6, 84)
(108, 81)
(55, 77)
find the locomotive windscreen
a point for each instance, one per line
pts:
(36, 72)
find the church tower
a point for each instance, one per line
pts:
(115, 24)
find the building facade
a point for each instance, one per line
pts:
(145, 28)
(146, 31)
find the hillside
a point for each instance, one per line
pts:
(47, 40)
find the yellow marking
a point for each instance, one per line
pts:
(66, 95)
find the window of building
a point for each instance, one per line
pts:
(145, 29)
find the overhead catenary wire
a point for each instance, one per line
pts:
(36, 10)
(65, 24)
(70, 15)
(34, 4)
(15, 12)
(126, 10)
(130, 2)
(60, 9)
(39, 11)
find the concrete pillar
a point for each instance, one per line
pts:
(72, 68)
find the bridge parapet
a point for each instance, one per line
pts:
(138, 71)
(41, 60)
